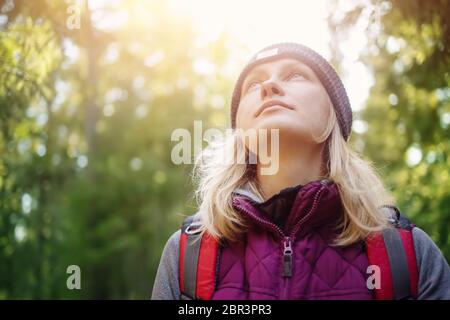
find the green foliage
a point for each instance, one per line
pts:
(85, 174)
(408, 111)
(86, 117)
(26, 71)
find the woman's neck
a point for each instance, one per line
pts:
(298, 165)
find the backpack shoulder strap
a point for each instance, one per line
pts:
(392, 250)
(197, 262)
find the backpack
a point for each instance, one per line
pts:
(392, 250)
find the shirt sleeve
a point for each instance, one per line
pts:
(166, 286)
(434, 271)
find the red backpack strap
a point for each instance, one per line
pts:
(392, 250)
(198, 261)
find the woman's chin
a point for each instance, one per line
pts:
(281, 121)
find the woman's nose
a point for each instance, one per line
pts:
(270, 88)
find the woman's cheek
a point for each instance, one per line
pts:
(243, 120)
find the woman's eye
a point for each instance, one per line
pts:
(252, 85)
(296, 75)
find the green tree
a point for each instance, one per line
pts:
(86, 171)
(408, 111)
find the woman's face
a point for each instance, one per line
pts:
(284, 94)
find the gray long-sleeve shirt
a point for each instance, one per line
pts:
(434, 272)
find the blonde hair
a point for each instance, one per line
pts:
(361, 189)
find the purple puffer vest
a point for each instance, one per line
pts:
(295, 261)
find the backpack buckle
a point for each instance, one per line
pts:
(193, 228)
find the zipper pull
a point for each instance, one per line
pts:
(287, 258)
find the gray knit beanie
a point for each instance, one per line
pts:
(324, 71)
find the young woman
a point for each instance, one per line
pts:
(302, 231)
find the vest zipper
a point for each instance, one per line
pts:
(287, 240)
(287, 257)
(262, 221)
(288, 252)
(310, 212)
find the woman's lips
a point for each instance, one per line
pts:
(276, 106)
(270, 104)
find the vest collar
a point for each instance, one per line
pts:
(293, 211)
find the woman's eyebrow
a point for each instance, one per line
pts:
(254, 73)
(295, 66)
